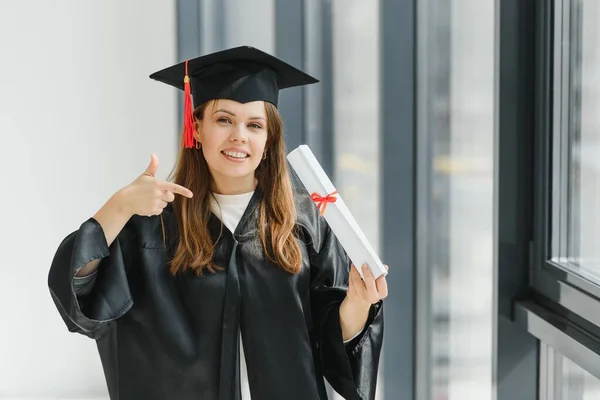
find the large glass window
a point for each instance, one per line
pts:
(567, 271)
(576, 213)
(568, 151)
(455, 257)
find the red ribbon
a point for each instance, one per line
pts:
(322, 201)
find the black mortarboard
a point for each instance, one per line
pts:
(242, 74)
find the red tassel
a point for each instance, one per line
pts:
(188, 117)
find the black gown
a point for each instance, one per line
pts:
(163, 337)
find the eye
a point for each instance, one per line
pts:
(254, 125)
(223, 120)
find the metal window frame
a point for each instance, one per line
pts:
(516, 352)
(289, 46)
(562, 335)
(398, 185)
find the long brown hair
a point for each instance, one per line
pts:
(277, 211)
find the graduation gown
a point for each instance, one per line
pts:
(177, 337)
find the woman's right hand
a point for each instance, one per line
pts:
(147, 195)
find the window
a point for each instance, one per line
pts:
(569, 155)
(564, 379)
(576, 209)
(567, 237)
(455, 104)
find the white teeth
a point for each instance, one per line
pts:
(235, 154)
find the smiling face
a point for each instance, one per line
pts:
(233, 137)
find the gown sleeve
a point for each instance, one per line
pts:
(350, 368)
(83, 284)
(90, 306)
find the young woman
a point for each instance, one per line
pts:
(171, 278)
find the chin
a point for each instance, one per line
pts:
(232, 173)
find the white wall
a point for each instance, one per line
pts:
(78, 120)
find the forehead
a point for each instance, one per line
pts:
(253, 108)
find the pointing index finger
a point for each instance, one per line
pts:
(175, 188)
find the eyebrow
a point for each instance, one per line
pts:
(233, 115)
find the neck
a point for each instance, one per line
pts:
(227, 185)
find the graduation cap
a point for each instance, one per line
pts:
(243, 74)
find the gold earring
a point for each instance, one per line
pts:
(198, 144)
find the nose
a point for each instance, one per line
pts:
(238, 134)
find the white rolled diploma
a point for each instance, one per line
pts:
(337, 214)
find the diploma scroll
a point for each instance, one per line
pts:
(334, 210)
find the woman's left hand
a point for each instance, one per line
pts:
(368, 291)
(361, 294)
